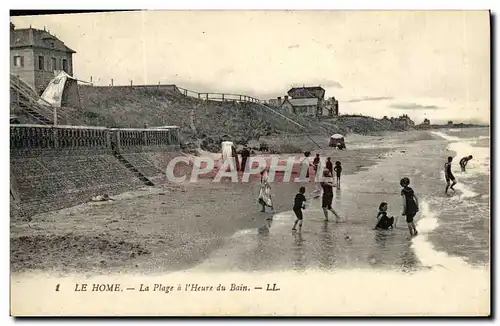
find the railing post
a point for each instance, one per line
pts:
(55, 137)
(118, 141)
(223, 97)
(207, 96)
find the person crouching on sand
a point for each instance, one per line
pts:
(383, 221)
(298, 205)
(327, 198)
(410, 205)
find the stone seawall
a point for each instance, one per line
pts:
(54, 167)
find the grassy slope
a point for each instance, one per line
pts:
(137, 106)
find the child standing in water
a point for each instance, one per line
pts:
(298, 205)
(338, 171)
(383, 221)
(449, 175)
(326, 202)
(410, 205)
(329, 165)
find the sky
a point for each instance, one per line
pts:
(426, 64)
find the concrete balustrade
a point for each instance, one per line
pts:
(62, 166)
(36, 138)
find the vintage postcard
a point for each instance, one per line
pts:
(250, 163)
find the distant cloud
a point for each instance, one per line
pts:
(226, 71)
(414, 106)
(294, 46)
(321, 82)
(370, 98)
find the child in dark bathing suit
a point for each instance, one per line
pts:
(298, 205)
(449, 175)
(316, 163)
(338, 171)
(329, 165)
(326, 202)
(383, 221)
(410, 205)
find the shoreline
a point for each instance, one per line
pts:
(160, 229)
(231, 218)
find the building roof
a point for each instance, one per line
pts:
(303, 92)
(30, 37)
(304, 101)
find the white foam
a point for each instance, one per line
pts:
(424, 249)
(479, 165)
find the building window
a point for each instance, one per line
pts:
(54, 64)
(41, 63)
(65, 65)
(18, 61)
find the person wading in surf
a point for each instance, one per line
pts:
(298, 205)
(326, 202)
(464, 161)
(410, 205)
(449, 175)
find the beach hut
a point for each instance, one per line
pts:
(338, 141)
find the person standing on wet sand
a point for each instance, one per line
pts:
(245, 154)
(265, 191)
(326, 201)
(234, 154)
(410, 205)
(329, 165)
(306, 162)
(298, 205)
(338, 172)
(449, 175)
(316, 163)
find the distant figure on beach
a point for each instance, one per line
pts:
(464, 161)
(410, 205)
(245, 154)
(306, 163)
(298, 205)
(449, 175)
(327, 198)
(329, 165)
(265, 199)
(316, 163)
(383, 221)
(234, 154)
(338, 171)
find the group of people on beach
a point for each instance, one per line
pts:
(384, 222)
(449, 175)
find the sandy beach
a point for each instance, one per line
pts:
(172, 227)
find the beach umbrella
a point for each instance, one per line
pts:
(337, 136)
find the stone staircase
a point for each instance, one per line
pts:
(134, 170)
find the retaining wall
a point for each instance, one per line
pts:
(62, 166)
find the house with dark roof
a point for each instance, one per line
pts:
(36, 56)
(301, 106)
